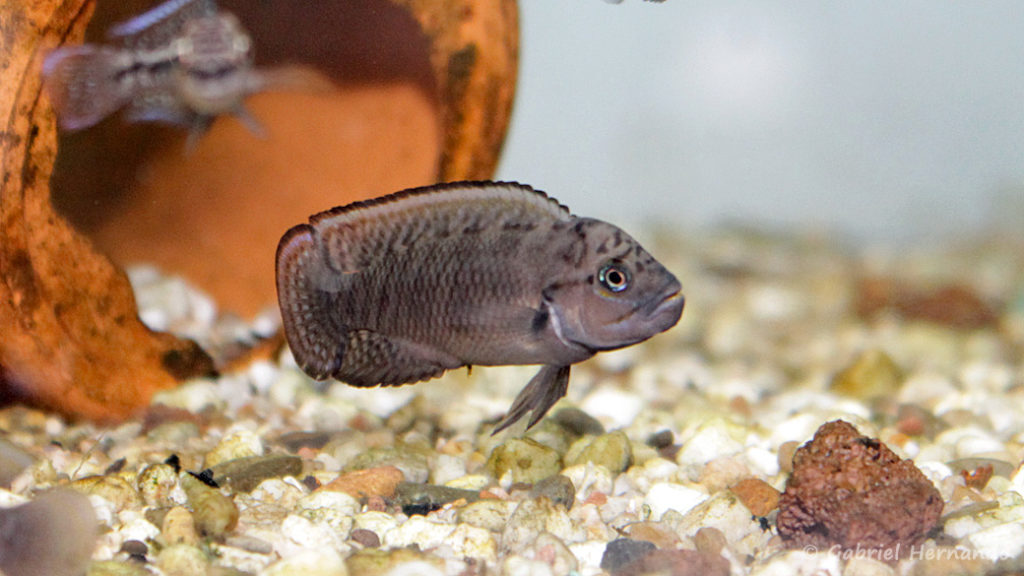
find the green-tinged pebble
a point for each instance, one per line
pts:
(872, 374)
(612, 450)
(524, 460)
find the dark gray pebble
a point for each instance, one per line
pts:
(557, 488)
(578, 422)
(624, 551)
(421, 499)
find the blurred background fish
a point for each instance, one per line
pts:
(183, 63)
(52, 535)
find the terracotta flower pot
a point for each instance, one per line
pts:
(422, 91)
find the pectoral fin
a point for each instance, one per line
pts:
(540, 394)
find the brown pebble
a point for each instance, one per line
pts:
(380, 481)
(366, 538)
(853, 491)
(376, 504)
(914, 420)
(757, 495)
(245, 474)
(661, 439)
(159, 414)
(294, 441)
(677, 563)
(954, 305)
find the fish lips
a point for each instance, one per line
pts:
(665, 312)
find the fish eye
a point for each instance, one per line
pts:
(614, 277)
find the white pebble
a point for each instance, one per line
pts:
(799, 563)
(330, 507)
(309, 562)
(304, 533)
(520, 566)
(589, 555)
(665, 496)
(376, 522)
(588, 478)
(712, 441)
(612, 405)
(999, 542)
(419, 531)
(472, 542)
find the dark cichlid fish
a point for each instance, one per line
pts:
(183, 63)
(53, 535)
(402, 288)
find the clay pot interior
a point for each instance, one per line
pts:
(215, 214)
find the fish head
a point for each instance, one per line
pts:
(615, 295)
(215, 57)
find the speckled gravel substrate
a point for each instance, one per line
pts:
(650, 438)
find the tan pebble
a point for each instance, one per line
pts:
(721, 473)
(381, 481)
(215, 514)
(656, 533)
(114, 489)
(182, 560)
(757, 495)
(786, 452)
(179, 527)
(490, 514)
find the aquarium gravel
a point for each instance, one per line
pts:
(668, 457)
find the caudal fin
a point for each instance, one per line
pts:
(308, 299)
(83, 84)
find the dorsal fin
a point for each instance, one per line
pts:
(447, 194)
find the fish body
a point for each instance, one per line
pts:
(405, 287)
(53, 535)
(183, 63)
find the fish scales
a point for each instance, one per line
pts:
(402, 288)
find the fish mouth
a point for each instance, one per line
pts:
(668, 303)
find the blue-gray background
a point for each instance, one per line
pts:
(882, 120)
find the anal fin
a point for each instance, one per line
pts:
(548, 386)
